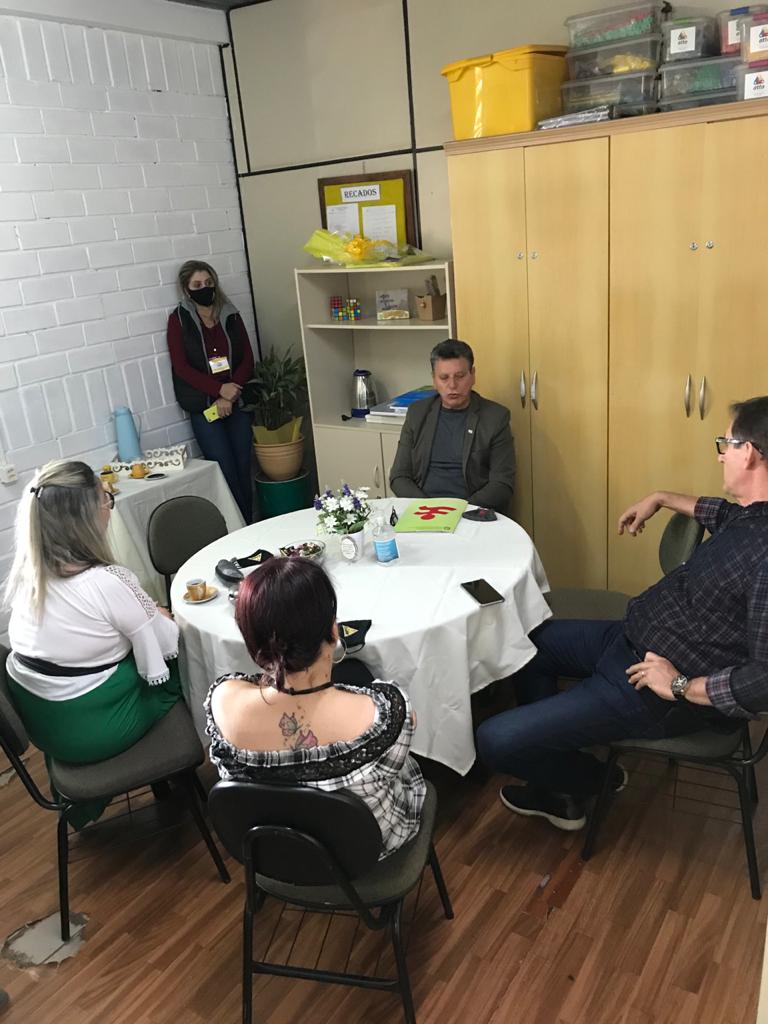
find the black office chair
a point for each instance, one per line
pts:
(320, 851)
(170, 750)
(730, 751)
(178, 529)
(681, 536)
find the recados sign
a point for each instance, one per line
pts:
(360, 193)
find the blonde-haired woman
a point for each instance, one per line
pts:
(211, 360)
(92, 665)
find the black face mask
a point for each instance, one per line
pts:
(202, 296)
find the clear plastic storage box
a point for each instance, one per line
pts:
(632, 90)
(625, 21)
(689, 38)
(728, 24)
(698, 99)
(684, 77)
(641, 54)
(754, 38)
(752, 81)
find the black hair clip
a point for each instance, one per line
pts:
(36, 490)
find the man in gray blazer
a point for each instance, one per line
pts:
(455, 444)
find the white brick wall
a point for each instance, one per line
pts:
(115, 166)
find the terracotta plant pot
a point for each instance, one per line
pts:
(280, 461)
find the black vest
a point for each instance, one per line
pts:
(189, 398)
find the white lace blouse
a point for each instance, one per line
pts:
(94, 618)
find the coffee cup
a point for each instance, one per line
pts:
(138, 470)
(196, 590)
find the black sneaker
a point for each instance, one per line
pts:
(561, 811)
(620, 778)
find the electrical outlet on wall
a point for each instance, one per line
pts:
(7, 473)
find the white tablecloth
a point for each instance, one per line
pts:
(427, 633)
(137, 501)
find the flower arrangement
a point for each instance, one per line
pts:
(342, 511)
(357, 250)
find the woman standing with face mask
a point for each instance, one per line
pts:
(211, 360)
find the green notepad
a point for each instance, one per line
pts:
(433, 515)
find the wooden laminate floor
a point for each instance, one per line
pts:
(658, 927)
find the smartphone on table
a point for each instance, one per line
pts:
(482, 592)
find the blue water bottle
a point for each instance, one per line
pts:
(128, 447)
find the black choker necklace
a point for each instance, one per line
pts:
(310, 689)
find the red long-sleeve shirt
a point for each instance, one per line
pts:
(215, 345)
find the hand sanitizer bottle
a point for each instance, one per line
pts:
(384, 542)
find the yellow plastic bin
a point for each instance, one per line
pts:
(509, 91)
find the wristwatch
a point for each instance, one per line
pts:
(680, 686)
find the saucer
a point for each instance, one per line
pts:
(210, 593)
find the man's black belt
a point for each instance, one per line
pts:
(48, 668)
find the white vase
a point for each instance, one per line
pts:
(352, 545)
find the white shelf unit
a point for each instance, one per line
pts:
(353, 450)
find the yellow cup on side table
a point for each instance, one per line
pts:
(139, 470)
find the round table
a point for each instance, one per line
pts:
(427, 633)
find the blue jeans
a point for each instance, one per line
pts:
(228, 441)
(541, 741)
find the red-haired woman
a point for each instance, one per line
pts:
(295, 723)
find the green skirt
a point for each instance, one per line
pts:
(97, 725)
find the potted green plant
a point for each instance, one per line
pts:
(277, 395)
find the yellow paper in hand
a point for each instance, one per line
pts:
(211, 413)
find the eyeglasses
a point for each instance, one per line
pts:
(109, 500)
(721, 443)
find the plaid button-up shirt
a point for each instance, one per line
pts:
(710, 616)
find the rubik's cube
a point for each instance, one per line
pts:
(345, 309)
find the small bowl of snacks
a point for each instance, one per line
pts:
(312, 549)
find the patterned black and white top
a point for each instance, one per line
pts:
(375, 765)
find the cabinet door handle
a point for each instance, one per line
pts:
(521, 255)
(534, 255)
(687, 397)
(702, 393)
(534, 389)
(693, 246)
(523, 388)
(376, 476)
(710, 244)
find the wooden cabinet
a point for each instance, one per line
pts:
(621, 267)
(396, 353)
(531, 260)
(733, 313)
(351, 455)
(567, 220)
(389, 442)
(687, 313)
(656, 196)
(491, 280)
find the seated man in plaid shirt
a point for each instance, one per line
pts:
(692, 650)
